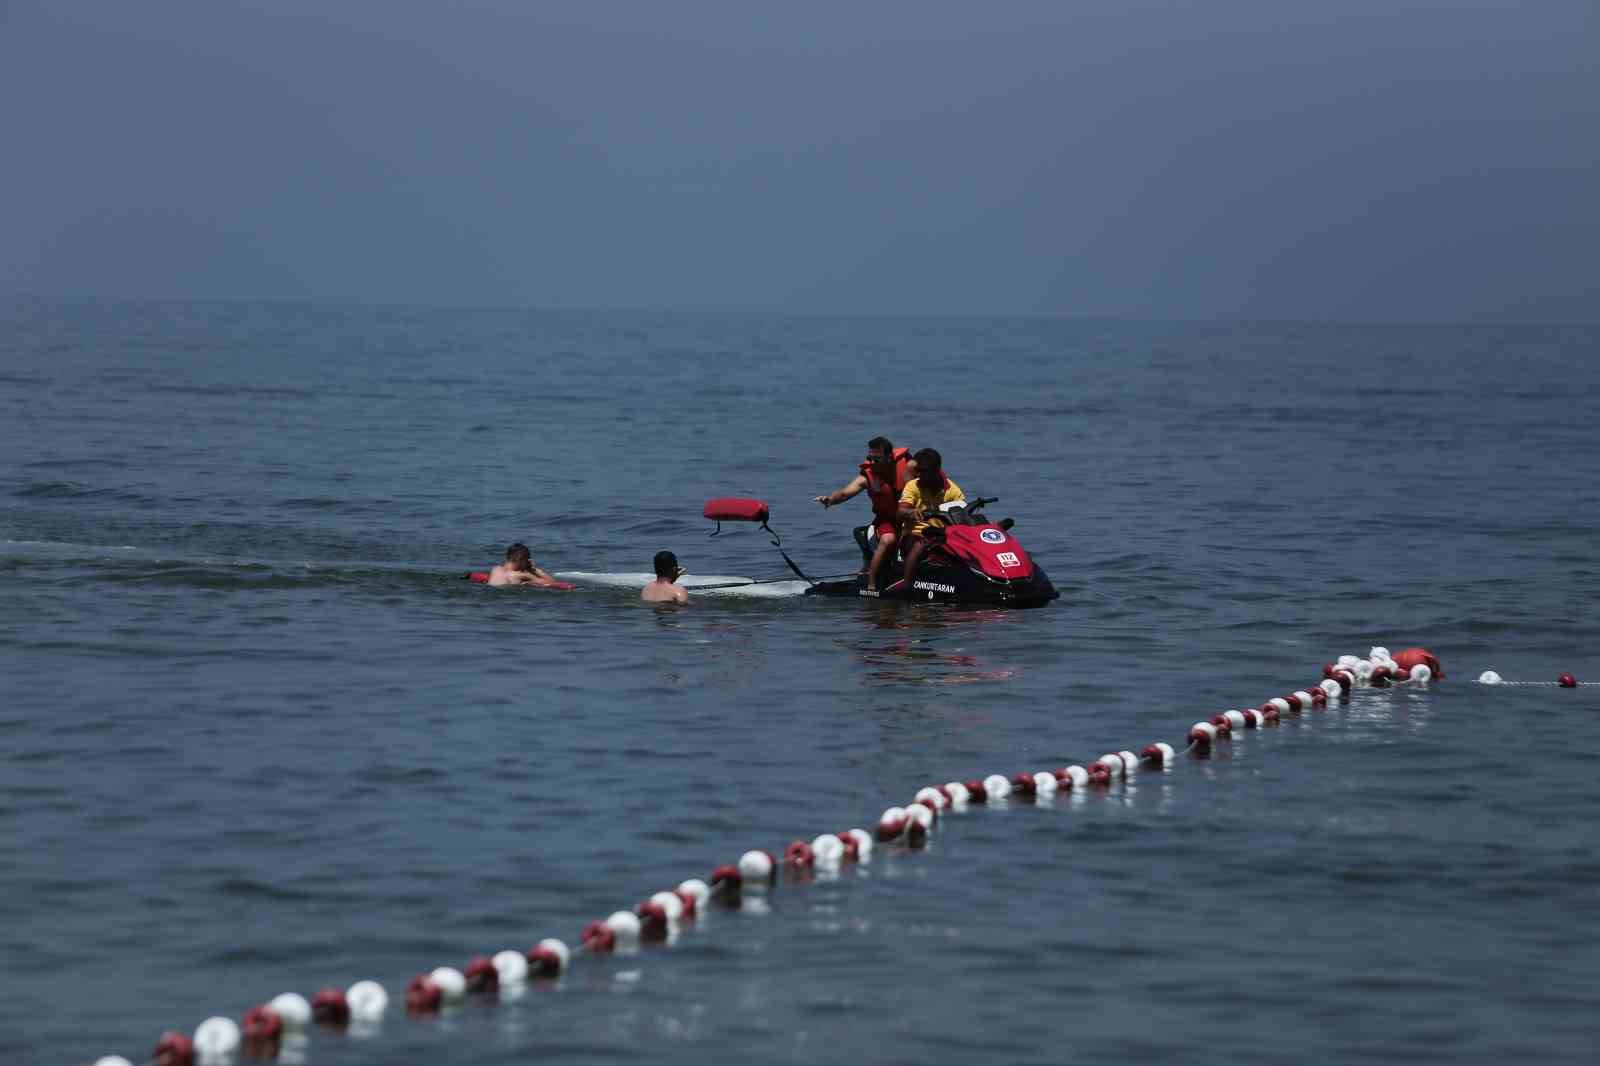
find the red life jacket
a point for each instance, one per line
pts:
(885, 497)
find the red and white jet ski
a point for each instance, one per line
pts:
(970, 559)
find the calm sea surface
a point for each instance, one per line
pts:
(256, 736)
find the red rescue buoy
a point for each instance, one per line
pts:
(1409, 657)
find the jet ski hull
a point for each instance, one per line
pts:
(951, 584)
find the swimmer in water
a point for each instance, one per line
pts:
(663, 589)
(519, 569)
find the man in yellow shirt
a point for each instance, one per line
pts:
(920, 499)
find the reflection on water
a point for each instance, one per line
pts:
(907, 644)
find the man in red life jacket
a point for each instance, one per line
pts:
(883, 478)
(920, 501)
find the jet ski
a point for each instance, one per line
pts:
(970, 559)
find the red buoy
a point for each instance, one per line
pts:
(482, 977)
(422, 995)
(173, 1049)
(653, 922)
(329, 1007)
(1409, 657)
(261, 1028)
(544, 961)
(597, 936)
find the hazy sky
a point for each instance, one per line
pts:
(1363, 159)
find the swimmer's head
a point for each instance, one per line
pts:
(517, 556)
(667, 568)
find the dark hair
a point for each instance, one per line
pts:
(517, 553)
(881, 444)
(928, 462)
(666, 565)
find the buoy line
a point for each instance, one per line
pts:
(1489, 677)
(266, 1029)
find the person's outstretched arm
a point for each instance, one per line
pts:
(855, 486)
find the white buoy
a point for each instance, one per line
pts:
(1077, 775)
(756, 869)
(1330, 688)
(1420, 674)
(112, 1060)
(1044, 783)
(670, 904)
(624, 925)
(698, 890)
(930, 796)
(1304, 697)
(367, 1001)
(1347, 662)
(216, 1039)
(510, 966)
(1167, 753)
(1489, 677)
(1280, 704)
(451, 982)
(958, 793)
(292, 1009)
(863, 841)
(1235, 718)
(1378, 653)
(827, 851)
(995, 786)
(921, 814)
(1112, 762)
(1253, 718)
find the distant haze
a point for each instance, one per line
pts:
(1351, 159)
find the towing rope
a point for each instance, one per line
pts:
(282, 1023)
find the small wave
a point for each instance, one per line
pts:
(316, 503)
(74, 490)
(237, 390)
(253, 889)
(30, 490)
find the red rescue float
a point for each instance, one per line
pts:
(737, 509)
(1410, 657)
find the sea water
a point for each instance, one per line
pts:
(257, 735)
